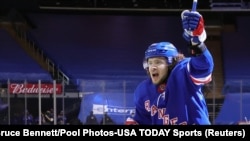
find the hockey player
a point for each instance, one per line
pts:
(173, 93)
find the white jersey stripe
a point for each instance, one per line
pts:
(200, 81)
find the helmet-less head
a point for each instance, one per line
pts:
(161, 57)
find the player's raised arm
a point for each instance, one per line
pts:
(200, 68)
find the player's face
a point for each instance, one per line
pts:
(158, 69)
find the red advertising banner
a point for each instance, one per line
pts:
(20, 88)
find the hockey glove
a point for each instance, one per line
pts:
(193, 26)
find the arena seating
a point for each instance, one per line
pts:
(16, 64)
(235, 56)
(236, 90)
(235, 109)
(235, 51)
(101, 47)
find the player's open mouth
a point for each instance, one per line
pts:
(155, 75)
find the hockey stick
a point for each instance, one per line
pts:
(194, 6)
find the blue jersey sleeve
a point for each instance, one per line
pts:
(200, 68)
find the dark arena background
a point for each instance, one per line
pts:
(62, 59)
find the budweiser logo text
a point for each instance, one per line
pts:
(34, 88)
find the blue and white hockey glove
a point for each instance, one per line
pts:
(193, 26)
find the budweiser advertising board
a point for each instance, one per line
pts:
(20, 88)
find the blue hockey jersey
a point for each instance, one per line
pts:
(182, 102)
